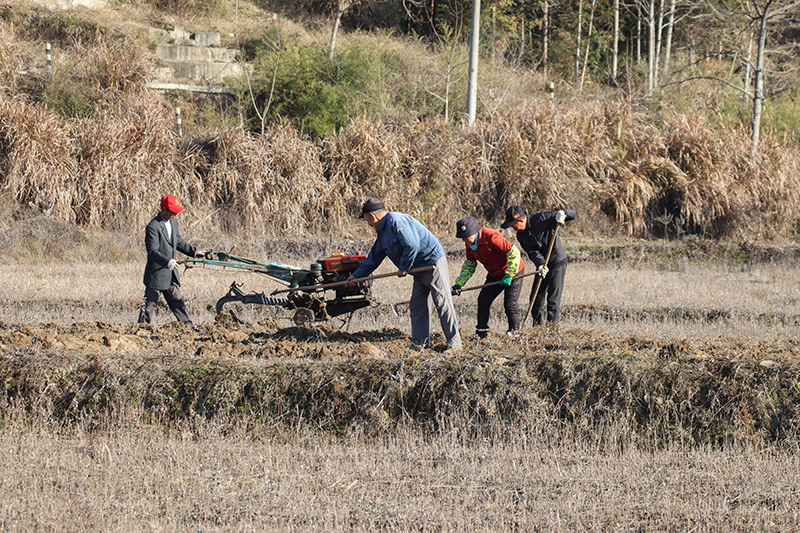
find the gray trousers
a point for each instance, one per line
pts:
(174, 300)
(433, 286)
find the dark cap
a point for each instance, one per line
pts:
(467, 226)
(370, 206)
(513, 213)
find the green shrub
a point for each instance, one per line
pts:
(68, 98)
(318, 94)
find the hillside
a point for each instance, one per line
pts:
(626, 171)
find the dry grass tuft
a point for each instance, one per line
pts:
(39, 151)
(257, 185)
(126, 159)
(120, 67)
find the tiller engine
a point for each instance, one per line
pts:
(313, 295)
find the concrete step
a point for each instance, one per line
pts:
(174, 52)
(209, 71)
(67, 4)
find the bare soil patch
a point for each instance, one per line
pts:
(229, 336)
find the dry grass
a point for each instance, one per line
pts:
(136, 479)
(537, 473)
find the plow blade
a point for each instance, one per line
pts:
(236, 295)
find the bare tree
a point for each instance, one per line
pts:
(759, 13)
(651, 46)
(451, 51)
(545, 34)
(657, 50)
(639, 16)
(762, 13)
(578, 42)
(756, 14)
(615, 57)
(277, 47)
(341, 7)
(668, 44)
(748, 65)
(588, 44)
(422, 14)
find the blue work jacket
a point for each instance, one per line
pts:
(406, 242)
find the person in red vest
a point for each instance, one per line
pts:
(502, 261)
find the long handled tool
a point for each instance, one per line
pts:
(540, 278)
(496, 282)
(357, 280)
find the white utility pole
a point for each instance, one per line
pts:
(472, 88)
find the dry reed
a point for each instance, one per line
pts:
(623, 173)
(602, 159)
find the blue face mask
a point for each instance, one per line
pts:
(474, 244)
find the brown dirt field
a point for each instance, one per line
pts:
(230, 337)
(700, 353)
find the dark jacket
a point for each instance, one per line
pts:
(159, 251)
(535, 238)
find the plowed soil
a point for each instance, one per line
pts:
(230, 337)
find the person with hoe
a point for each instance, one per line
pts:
(413, 250)
(162, 240)
(537, 234)
(502, 261)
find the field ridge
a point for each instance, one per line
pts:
(660, 390)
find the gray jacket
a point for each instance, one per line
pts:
(159, 251)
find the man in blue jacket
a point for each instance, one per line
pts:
(409, 245)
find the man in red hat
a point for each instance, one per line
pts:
(503, 262)
(162, 240)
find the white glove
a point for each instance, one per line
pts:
(200, 253)
(543, 270)
(561, 217)
(172, 264)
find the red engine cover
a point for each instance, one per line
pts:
(341, 262)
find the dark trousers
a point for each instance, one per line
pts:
(174, 300)
(550, 289)
(510, 304)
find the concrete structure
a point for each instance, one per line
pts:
(197, 57)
